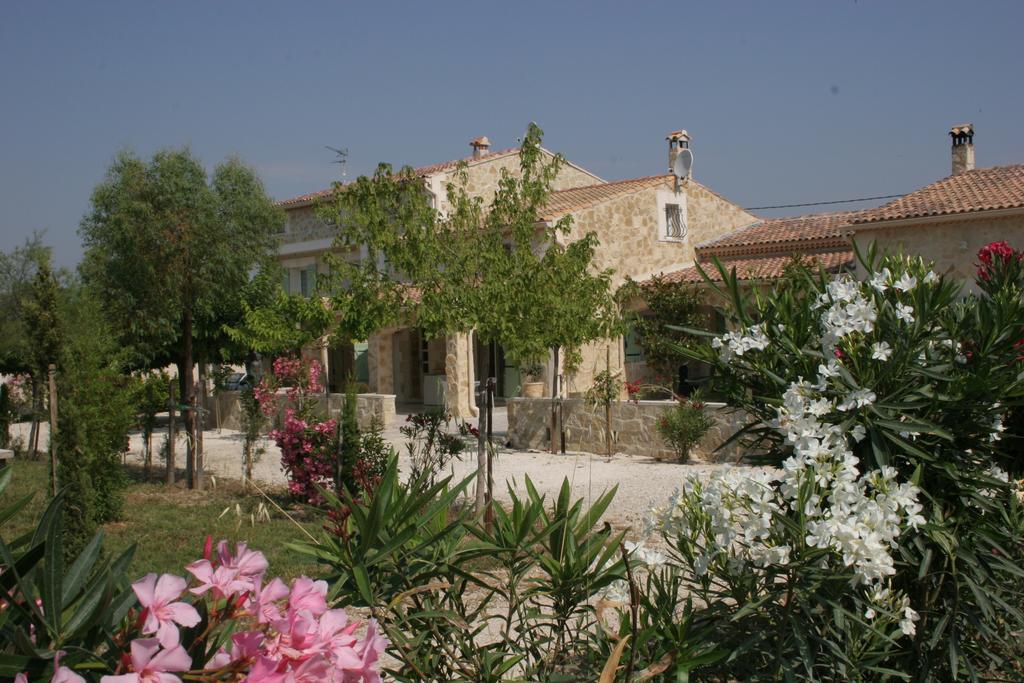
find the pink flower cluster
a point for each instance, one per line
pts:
(278, 633)
(307, 454)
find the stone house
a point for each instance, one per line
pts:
(950, 220)
(946, 222)
(644, 225)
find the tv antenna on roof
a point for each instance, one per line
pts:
(342, 158)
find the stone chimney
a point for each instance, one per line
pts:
(481, 147)
(963, 147)
(677, 140)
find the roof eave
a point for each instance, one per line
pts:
(936, 218)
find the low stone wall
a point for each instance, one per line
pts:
(634, 428)
(368, 407)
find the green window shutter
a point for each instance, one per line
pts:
(634, 352)
(307, 280)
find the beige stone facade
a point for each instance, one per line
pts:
(631, 229)
(952, 244)
(634, 428)
(632, 234)
(633, 242)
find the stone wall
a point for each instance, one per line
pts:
(628, 228)
(634, 428)
(368, 407)
(482, 177)
(304, 225)
(952, 245)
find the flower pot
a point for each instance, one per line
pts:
(533, 389)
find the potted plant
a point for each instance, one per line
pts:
(533, 380)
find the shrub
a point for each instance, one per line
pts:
(430, 446)
(308, 442)
(438, 579)
(684, 425)
(229, 622)
(890, 542)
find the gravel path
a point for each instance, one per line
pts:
(641, 481)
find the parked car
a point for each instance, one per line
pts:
(237, 381)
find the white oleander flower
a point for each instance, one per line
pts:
(905, 313)
(858, 433)
(906, 283)
(907, 622)
(881, 351)
(858, 398)
(930, 278)
(878, 280)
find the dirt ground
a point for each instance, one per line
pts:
(641, 481)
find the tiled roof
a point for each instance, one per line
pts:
(577, 198)
(983, 189)
(421, 171)
(760, 268)
(780, 235)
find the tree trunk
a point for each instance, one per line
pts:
(554, 402)
(201, 424)
(171, 436)
(147, 445)
(608, 405)
(481, 453)
(188, 399)
(34, 429)
(489, 397)
(53, 427)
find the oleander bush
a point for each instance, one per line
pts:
(85, 621)
(889, 543)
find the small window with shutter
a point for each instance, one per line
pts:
(675, 227)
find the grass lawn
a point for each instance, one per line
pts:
(170, 524)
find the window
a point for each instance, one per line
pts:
(286, 281)
(633, 351)
(675, 227)
(307, 280)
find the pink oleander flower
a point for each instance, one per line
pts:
(262, 600)
(265, 670)
(223, 581)
(245, 647)
(62, 674)
(159, 598)
(251, 564)
(308, 595)
(150, 664)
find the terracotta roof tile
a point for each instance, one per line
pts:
(577, 198)
(983, 189)
(781, 235)
(420, 171)
(760, 268)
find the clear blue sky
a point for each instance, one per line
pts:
(786, 101)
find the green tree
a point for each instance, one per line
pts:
(168, 247)
(17, 271)
(670, 306)
(495, 270)
(44, 335)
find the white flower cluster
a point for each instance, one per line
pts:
(641, 558)
(739, 342)
(732, 519)
(858, 516)
(848, 311)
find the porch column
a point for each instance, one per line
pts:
(459, 400)
(380, 358)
